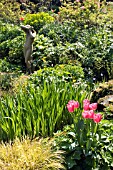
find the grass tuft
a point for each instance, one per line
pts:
(30, 155)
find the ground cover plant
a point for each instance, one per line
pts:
(73, 50)
(26, 154)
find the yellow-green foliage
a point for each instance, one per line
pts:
(38, 20)
(20, 82)
(78, 11)
(30, 155)
(87, 11)
(9, 10)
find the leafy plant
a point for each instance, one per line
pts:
(96, 56)
(5, 66)
(99, 154)
(12, 50)
(59, 73)
(8, 31)
(10, 12)
(38, 20)
(60, 33)
(46, 53)
(5, 81)
(78, 11)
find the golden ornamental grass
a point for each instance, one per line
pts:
(30, 155)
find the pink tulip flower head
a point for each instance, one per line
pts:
(72, 105)
(85, 114)
(86, 101)
(93, 106)
(97, 117)
(77, 0)
(91, 114)
(86, 106)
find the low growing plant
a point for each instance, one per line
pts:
(34, 155)
(61, 72)
(5, 66)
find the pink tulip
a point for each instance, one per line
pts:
(85, 114)
(91, 114)
(86, 101)
(93, 106)
(75, 103)
(72, 105)
(97, 117)
(77, 0)
(86, 106)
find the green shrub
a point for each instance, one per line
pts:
(5, 81)
(33, 155)
(10, 11)
(91, 47)
(46, 53)
(12, 50)
(5, 66)
(41, 43)
(38, 20)
(60, 33)
(64, 72)
(16, 50)
(12, 40)
(8, 31)
(97, 55)
(7, 78)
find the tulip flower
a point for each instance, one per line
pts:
(93, 106)
(72, 105)
(86, 101)
(85, 124)
(52, 10)
(91, 114)
(75, 103)
(85, 114)
(97, 117)
(86, 106)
